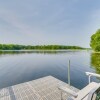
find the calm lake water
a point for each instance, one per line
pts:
(17, 67)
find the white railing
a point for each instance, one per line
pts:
(71, 92)
(91, 74)
(68, 91)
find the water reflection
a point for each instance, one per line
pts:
(95, 61)
(37, 64)
(36, 51)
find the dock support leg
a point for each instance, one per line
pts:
(69, 73)
(89, 79)
(61, 95)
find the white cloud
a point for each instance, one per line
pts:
(14, 21)
(36, 22)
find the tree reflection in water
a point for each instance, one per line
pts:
(95, 61)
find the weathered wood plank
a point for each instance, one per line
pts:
(41, 89)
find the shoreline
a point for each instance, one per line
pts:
(95, 52)
(51, 50)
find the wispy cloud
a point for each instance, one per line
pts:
(48, 21)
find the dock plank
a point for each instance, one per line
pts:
(45, 88)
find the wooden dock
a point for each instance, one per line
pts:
(40, 89)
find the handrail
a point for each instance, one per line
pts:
(92, 74)
(69, 91)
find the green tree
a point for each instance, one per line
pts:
(95, 41)
(37, 47)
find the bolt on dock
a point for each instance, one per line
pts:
(45, 88)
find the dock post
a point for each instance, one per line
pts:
(89, 79)
(69, 72)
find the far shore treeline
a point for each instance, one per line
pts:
(37, 47)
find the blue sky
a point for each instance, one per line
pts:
(41, 22)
